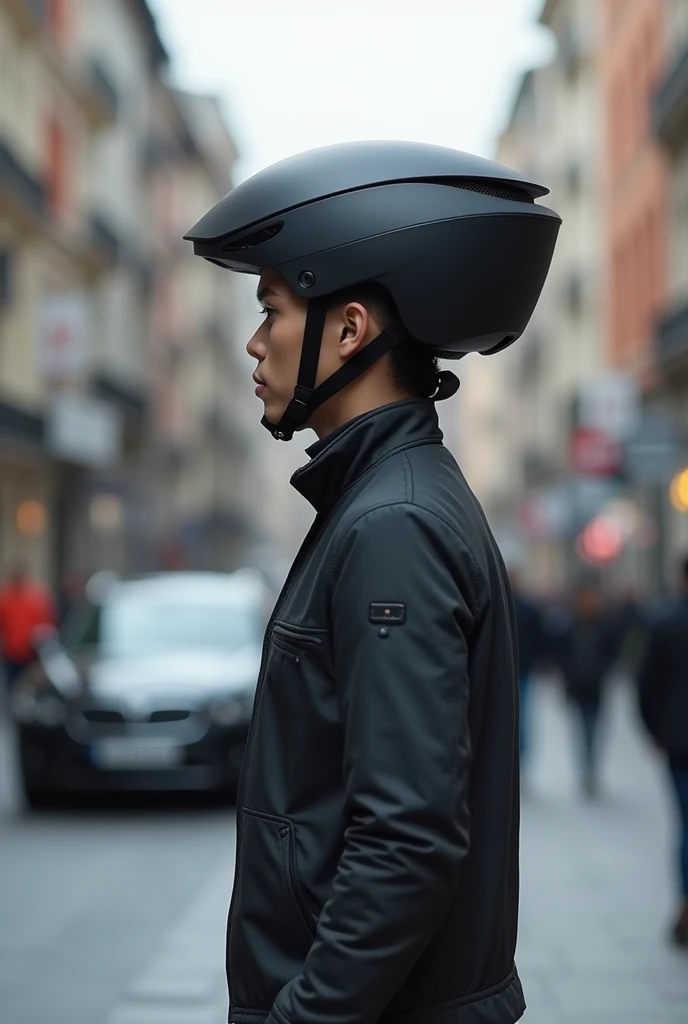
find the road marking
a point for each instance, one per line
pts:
(184, 982)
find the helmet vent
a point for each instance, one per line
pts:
(256, 238)
(500, 190)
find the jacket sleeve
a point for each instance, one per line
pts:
(404, 697)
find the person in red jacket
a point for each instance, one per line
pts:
(24, 605)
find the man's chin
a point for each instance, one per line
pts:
(273, 414)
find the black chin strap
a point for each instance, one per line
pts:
(307, 398)
(300, 407)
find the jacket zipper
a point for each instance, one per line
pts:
(294, 575)
(281, 645)
(282, 632)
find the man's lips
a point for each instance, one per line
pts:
(260, 384)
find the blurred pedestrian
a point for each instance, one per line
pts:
(24, 605)
(630, 621)
(71, 593)
(585, 650)
(664, 709)
(377, 857)
(530, 633)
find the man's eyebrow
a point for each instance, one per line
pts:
(263, 293)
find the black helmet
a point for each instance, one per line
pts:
(457, 241)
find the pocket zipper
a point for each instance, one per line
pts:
(286, 838)
(282, 646)
(295, 636)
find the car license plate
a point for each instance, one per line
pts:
(121, 753)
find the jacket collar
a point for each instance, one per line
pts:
(345, 455)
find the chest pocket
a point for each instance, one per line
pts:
(297, 641)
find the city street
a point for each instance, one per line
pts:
(597, 892)
(117, 916)
(113, 916)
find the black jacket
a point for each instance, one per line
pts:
(585, 650)
(664, 680)
(377, 856)
(530, 633)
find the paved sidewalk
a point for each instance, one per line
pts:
(597, 889)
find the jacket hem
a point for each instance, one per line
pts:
(504, 1003)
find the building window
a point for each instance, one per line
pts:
(625, 115)
(56, 175)
(618, 298)
(5, 278)
(648, 271)
(57, 16)
(624, 297)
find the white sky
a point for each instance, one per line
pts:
(295, 74)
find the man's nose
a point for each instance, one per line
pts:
(256, 347)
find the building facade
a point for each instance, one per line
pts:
(121, 438)
(59, 102)
(201, 446)
(632, 50)
(522, 406)
(669, 109)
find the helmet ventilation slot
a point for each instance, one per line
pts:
(255, 238)
(500, 190)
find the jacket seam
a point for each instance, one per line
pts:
(450, 1004)
(279, 1016)
(400, 449)
(408, 475)
(422, 1013)
(474, 568)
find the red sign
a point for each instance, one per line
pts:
(600, 542)
(594, 453)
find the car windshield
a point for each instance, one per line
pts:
(133, 625)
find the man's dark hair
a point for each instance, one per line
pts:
(413, 366)
(684, 566)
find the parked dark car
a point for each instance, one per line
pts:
(149, 688)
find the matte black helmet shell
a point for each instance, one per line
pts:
(458, 241)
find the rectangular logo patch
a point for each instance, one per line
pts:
(388, 614)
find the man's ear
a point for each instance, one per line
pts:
(355, 328)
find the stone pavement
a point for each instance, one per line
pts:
(597, 880)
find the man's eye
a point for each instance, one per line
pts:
(265, 311)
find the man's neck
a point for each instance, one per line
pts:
(343, 407)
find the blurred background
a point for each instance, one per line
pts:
(130, 446)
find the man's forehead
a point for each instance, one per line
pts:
(264, 292)
(272, 283)
(269, 283)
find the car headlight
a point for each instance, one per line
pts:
(231, 710)
(34, 707)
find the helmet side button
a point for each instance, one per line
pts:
(306, 278)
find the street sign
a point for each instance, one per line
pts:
(546, 512)
(61, 335)
(594, 453)
(84, 429)
(610, 403)
(653, 455)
